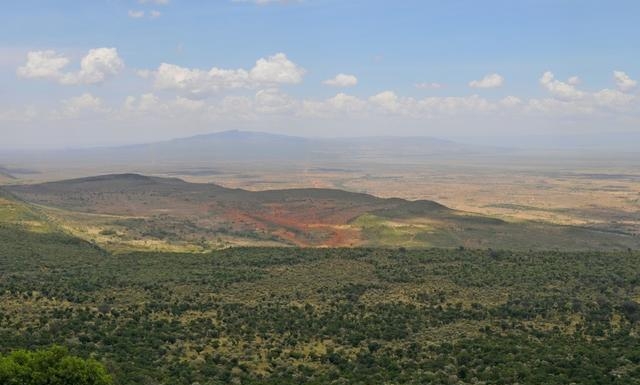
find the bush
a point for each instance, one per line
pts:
(53, 366)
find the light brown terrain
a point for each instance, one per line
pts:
(592, 190)
(122, 212)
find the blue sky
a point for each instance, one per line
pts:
(412, 62)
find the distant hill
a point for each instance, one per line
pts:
(135, 209)
(5, 174)
(249, 146)
(12, 174)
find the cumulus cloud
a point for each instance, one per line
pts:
(197, 83)
(151, 106)
(277, 69)
(77, 106)
(623, 81)
(95, 67)
(342, 80)
(558, 88)
(574, 80)
(341, 104)
(489, 81)
(558, 107)
(272, 101)
(43, 65)
(98, 65)
(568, 100)
(344, 102)
(263, 100)
(613, 98)
(388, 100)
(452, 105)
(510, 101)
(189, 104)
(145, 103)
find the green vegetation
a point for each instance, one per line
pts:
(52, 366)
(325, 316)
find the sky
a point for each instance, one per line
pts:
(104, 72)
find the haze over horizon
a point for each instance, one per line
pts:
(127, 71)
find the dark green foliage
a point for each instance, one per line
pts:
(326, 316)
(53, 366)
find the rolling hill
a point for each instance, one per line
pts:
(137, 211)
(5, 175)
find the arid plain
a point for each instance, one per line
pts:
(546, 195)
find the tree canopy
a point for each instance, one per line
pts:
(52, 366)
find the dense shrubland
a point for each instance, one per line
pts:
(325, 316)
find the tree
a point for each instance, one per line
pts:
(53, 366)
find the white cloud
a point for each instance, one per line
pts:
(197, 83)
(453, 105)
(189, 104)
(489, 81)
(510, 101)
(344, 102)
(148, 102)
(272, 101)
(77, 106)
(559, 107)
(277, 69)
(427, 86)
(252, 101)
(623, 81)
(574, 80)
(98, 65)
(388, 100)
(135, 14)
(341, 104)
(342, 80)
(154, 14)
(569, 101)
(613, 99)
(44, 65)
(558, 88)
(234, 108)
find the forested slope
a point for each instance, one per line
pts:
(326, 316)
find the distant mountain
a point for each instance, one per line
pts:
(249, 146)
(171, 210)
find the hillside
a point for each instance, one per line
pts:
(5, 175)
(326, 316)
(131, 210)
